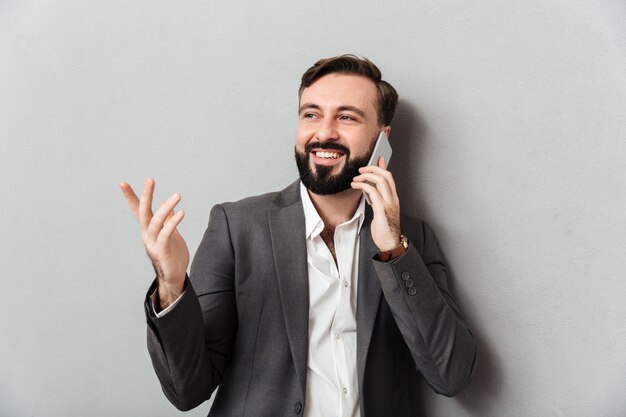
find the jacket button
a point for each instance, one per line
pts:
(405, 276)
(297, 407)
(409, 283)
(412, 291)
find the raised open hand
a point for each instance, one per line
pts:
(165, 246)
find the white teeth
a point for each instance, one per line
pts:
(329, 155)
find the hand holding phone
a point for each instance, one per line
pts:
(382, 148)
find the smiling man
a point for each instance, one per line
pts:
(308, 301)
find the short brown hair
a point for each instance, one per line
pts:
(355, 65)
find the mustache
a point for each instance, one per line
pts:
(327, 146)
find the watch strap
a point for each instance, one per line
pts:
(386, 256)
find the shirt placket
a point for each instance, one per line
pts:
(344, 319)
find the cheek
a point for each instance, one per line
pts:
(304, 134)
(357, 141)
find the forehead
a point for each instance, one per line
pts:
(337, 90)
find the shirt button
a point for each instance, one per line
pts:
(345, 390)
(345, 284)
(337, 336)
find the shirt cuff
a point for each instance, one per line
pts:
(153, 300)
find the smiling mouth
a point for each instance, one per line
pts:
(328, 155)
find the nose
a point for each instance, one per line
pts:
(326, 130)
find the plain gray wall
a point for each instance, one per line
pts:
(510, 141)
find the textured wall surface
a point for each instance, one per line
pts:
(510, 141)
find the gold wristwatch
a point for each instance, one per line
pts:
(395, 252)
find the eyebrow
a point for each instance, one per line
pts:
(353, 109)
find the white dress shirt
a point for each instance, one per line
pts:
(332, 383)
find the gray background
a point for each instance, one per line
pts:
(510, 141)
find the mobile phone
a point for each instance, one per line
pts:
(382, 148)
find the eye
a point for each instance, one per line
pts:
(347, 117)
(309, 116)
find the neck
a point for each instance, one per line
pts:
(336, 208)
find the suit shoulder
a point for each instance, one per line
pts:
(262, 202)
(249, 213)
(250, 204)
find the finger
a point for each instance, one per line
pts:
(161, 216)
(169, 216)
(145, 204)
(169, 227)
(380, 182)
(381, 163)
(375, 169)
(383, 172)
(131, 197)
(378, 204)
(386, 217)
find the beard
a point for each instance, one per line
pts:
(320, 181)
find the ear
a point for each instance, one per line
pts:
(387, 130)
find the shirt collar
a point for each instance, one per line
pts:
(314, 223)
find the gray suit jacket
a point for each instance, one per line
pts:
(242, 323)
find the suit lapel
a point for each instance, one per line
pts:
(368, 297)
(287, 231)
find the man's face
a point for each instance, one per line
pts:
(337, 131)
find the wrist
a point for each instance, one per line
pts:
(167, 294)
(401, 248)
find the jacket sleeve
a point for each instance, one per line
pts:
(191, 345)
(416, 289)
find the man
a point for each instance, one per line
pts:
(306, 301)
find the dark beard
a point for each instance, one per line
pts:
(321, 181)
